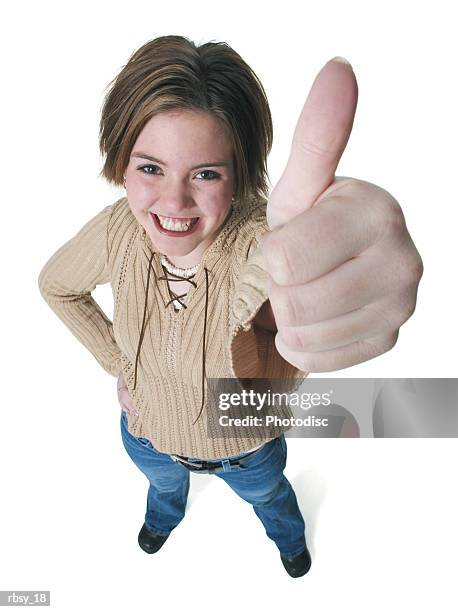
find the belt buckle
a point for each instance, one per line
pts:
(203, 467)
(190, 465)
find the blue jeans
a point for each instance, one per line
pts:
(258, 479)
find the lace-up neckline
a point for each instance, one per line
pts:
(183, 305)
(176, 278)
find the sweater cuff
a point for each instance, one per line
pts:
(112, 366)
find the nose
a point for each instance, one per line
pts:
(175, 199)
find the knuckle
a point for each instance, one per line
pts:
(387, 216)
(410, 271)
(390, 341)
(407, 308)
(391, 218)
(415, 268)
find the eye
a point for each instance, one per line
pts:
(143, 168)
(214, 176)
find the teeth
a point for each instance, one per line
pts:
(175, 226)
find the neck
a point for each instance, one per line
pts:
(184, 262)
(173, 268)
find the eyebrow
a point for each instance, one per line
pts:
(158, 161)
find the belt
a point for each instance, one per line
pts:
(209, 467)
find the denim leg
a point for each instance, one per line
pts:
(260, 481)
(168, 482)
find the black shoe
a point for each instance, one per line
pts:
(150, 542)
(299, 565)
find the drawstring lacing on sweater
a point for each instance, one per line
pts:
(175, 297)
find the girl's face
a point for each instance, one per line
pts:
(181, 168)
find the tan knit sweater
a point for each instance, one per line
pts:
(166, 385)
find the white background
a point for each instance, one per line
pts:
(380, 514)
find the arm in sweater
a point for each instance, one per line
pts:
(253, 328)
(66, 282)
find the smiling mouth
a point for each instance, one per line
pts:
(175, 226)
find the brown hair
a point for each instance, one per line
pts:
(171, 72)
